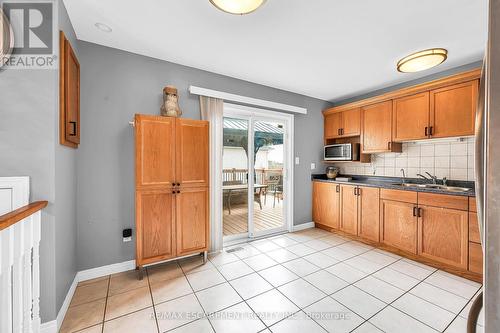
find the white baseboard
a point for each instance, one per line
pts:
(105, 270)
(54, 325)
(303, 226)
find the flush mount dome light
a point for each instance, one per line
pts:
(237, 7)
(422, 60)
(103, 27)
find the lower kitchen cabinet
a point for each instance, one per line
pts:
(369, 213)
(349, 209)
(399, 225)
(443, 235)
(326, 204)
(475, 258)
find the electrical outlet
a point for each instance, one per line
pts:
(313, 166)
(297, 160)
(127, 235)
(127, 239)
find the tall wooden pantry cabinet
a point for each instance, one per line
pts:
(171, 188)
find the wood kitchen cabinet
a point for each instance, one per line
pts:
(399, 225)
(369, 213)
(343, 124)
(171, 172)
(453, 110)
(410, 120)
(443, 235)
(349, 209)
(326, 204)
(376, 123)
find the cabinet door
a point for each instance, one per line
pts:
(369, 213)
(333, 123)
(155, 226)
(399, 225)
(453, 110)
(69, 98)
(192, 148)
(349, 209)
(351, 122)
(376, 127)
(410, 118)
(326, 203)
(192, 220)
(443, 235)
(475, 258)
(154, 151)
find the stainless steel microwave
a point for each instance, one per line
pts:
(342, 152)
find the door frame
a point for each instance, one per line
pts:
(253, 114)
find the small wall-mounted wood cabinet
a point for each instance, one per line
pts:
(410, 120)
(69, 94)
(343, 124)
(172, 207)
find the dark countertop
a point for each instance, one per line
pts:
(390, 183)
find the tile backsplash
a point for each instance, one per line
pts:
(450, 158)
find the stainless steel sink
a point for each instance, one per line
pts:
(436, 186)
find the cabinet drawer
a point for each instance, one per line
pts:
(443, 200)
(398, 195)
(472, 204)
(473, 228)
(475, 258)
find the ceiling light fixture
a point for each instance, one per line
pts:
(103, 27)
(238, 7)
(422, 60)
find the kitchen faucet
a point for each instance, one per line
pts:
(404, 176)
(433, 178)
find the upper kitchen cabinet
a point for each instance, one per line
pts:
(453, 110)
(343, 124)
(411, 117)
(376, 128)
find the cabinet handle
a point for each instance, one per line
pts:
(337, 188)
(178, 191)
(338, 131)
(342, 131)
(389, 145)
(419, 212)
(178, 184)
(73, 133)
(426, 131)
(415, 210)
(173, 192)
(430, 130)
(359, 191)
(355, 192)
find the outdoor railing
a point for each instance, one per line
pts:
(262, 176)
(20, 269)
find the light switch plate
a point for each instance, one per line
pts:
(297, 160)
(313, 166)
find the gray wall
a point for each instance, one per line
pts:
(29, 146)
(65, 186)
(27, 131)
(114, 86)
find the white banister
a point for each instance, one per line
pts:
(19, 269)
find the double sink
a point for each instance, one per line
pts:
(435, 186)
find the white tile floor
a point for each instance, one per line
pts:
(309, 281)
(315, 281)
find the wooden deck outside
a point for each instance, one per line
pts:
(265, 219)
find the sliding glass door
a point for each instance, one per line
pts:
(255, 185)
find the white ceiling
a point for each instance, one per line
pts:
(329, 49)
